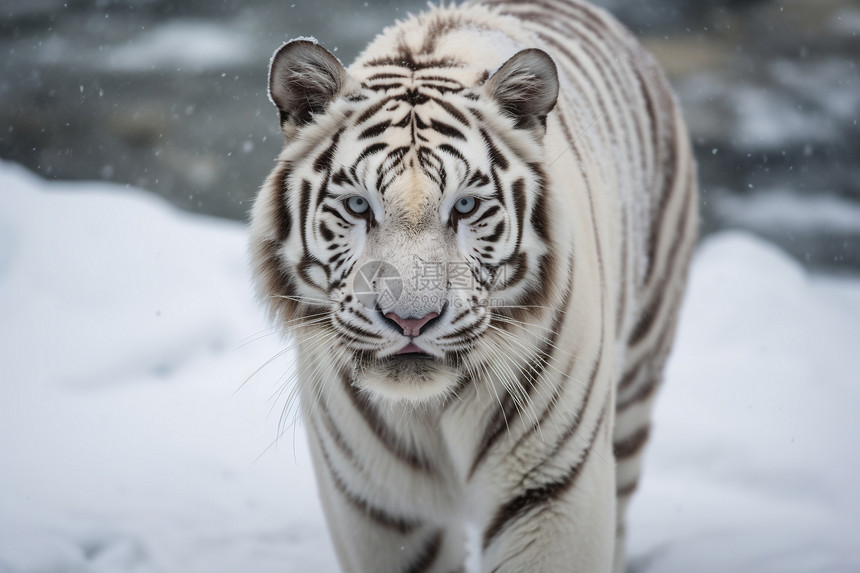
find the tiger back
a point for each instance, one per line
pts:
(478, 236)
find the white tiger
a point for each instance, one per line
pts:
(479, 236)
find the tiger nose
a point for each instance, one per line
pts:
(411, 326)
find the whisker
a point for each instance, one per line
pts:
(543, 339)
(560, 310)
(529, 347)
(274, 330)
(302, 299)
(267, 362)
(536, 383)
(492, 387)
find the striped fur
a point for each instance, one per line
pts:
(528, 412)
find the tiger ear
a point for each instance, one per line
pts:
(304, 78)
(526, 88)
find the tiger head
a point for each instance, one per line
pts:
(407, 213)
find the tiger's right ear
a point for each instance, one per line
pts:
(304, 78)
(526, 88)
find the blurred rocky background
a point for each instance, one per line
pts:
(170, 96)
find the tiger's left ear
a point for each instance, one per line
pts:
(526, 88)
(304, 78)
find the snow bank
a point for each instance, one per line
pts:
(753, 465)
(128, 443)
(783, 211)
(197, 45)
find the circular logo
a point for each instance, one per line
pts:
(377, 284)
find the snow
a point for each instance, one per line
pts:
(781, 104)
(753, 463)
(192, 44)
(130, 441)
(780, 210)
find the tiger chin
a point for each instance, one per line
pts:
(478, 236)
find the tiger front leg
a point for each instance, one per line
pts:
(560, 516)
(369, 534)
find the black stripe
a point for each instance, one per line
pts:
(628, 489)
(496, 234)
(368, 151)
(360, 316)
(594, 41)
(666, 158)
(442, 79)
(340, 177)
(384, 434)
(555, 332)
(537, 294)
(407, 60)
(428, 555)
(459, 317)
(325, 232)
(446, 130)
(441, 88)
(303, 269)
(280, 203)
(277, 280)
(632, 444)
(400, 524)
(304, 207)
(650, 313)
(629, 377)
(497, 159)
(384, 87)
(573, 428)
(644, 392)
(270, 268)
(539, 220)
(355, 329)
(518, 190)
(498, 193)
(478, 179)
(337, 435)
(386, 77)
(457, 333)
(323, 162)
(371, 111)
(540, 496)
(452, 151)
(452, 111)
(413, 97)
(375, 130)
(621, 308)
(488, 213)
(653, 362)
(336, 213)
(393, 166)
(493, 432)
(538, 364)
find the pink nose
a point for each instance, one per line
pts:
(411, 326)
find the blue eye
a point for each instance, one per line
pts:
(466, 205)
(357, 205)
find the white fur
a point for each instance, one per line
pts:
(606, 180)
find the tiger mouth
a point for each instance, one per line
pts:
(411, 348)
(411, 354)
(419, 355)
